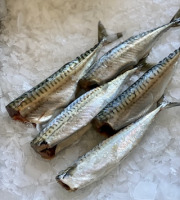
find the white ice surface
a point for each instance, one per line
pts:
(38, 37)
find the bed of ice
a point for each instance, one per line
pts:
(37, 38)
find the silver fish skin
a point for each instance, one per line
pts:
(39, 104)
(125, 55)
(139, 98)
(75, 119)
(107, 155)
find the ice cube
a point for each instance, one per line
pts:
(145, 191)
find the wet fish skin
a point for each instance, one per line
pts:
(67, 127)
(27, 102)
(125, 55)
(139, 98)
(27, 107)
(107, 155)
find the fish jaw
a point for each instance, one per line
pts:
(106, 156)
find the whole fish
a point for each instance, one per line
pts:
(139, 98)
(107, 155)
(125, 55)
(74, 120)
(42, 102)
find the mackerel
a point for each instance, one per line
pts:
(75, 120)
(125, 55)
(42, 102)
(139, 98)
(107, 155)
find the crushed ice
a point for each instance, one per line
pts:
(38, 37)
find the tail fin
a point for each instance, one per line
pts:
(176, 19)
(166, 104)
(103, 36)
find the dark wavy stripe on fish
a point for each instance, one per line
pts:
(66, 114)
(74, 120)
(48, 98)
(134, 92)
(108, 154)
(49, 83)
(125, 55)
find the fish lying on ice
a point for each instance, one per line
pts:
(107, 155)
(74, 120)
(125, 55)
(42, 102)
(139, 98)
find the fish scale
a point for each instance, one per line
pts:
(125, 101)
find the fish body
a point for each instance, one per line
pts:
(39, 104)
(140, 97)
(125, 55)
(107, 155)
(76, 117)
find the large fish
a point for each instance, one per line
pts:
(107, 155)
(43, 101)
(125, 55)
(75, 119)
(139, 98)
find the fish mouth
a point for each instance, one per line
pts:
(44, 150)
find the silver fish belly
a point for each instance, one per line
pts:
(124, 55)
(103, 158)
(139, 98)
(39, 104)
(74, 120)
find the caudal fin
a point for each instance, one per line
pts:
(166, 104)
(102, 35)
(176, 19)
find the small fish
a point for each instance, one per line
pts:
(139, 98)
(125, 55)
(75, 120)
(107, 155)
(42, 102)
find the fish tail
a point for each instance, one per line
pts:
(167, 104)
(103, 36)
(176, 19)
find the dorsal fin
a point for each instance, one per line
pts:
(102, 35)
